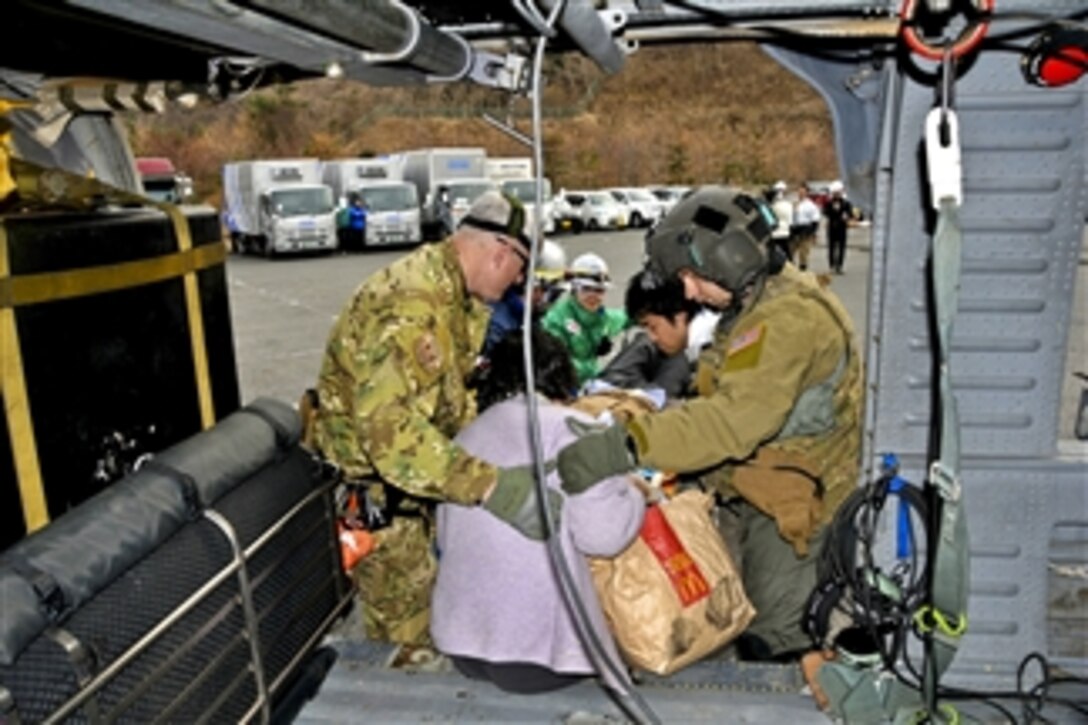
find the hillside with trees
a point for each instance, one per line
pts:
(679, 115)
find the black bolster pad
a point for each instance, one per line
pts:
(83, 551)
(241, 444)
(56, 569)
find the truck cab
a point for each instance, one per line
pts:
(392, 212)
(163, 182)
(278, 206)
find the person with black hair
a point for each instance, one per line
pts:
(497, 609)
(654, 357)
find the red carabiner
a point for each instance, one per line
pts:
(967, 41)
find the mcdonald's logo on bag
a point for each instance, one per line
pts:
(687, 581)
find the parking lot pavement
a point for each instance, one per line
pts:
(282, 309)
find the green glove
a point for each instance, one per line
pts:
(514, 501)
(599, 453)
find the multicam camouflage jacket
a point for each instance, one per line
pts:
(392, 383)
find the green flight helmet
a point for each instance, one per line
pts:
(721, 234)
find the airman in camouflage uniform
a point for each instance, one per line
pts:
(778, 420)
(392, 396)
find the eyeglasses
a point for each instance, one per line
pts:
(517, 250)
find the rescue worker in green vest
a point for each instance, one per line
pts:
(581, 319)
(776, 429)
(392, 396)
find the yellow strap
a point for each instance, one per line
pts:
(29, 289)
(196, 317)
(53, 186)
(24, 450)
(935, 615)
(951, 715)
(7, 184)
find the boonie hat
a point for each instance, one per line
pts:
(501, 213)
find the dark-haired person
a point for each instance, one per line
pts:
(776, 427)
(497, 610)
(655, 356)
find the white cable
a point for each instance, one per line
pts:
(629, 698)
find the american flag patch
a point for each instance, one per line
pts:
(746, 339)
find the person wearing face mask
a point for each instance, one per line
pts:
(582, 321)
(776, 428)
(392, 396)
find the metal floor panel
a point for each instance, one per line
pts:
(360, 687)
(1023, 221)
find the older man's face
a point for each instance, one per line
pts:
(506, 266)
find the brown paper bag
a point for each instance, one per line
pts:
(673, 596)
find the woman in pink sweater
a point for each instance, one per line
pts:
(497, 610)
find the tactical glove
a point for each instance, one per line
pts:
(598, 453)
(604, 346)
(514, 501)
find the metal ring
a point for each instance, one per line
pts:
(967, 41)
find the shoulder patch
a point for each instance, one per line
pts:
(427, 353)
(746, 339)
(573, 327)
(745, 349)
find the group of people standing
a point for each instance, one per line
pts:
(767, 417)
(796, 225)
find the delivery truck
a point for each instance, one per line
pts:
(162, 181)
(278, 206)
(392, 204)
(448, 180)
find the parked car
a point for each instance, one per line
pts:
(597, 210)
(566, 214)
(668, 196)
(644, 209)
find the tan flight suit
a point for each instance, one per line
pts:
(392, 396)
(777, 423)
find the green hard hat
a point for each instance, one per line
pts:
(721, 234)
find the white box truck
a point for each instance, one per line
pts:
(458, 174)
(515, 176)
(278, 206)
(392, 204)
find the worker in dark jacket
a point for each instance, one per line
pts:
(654, 356)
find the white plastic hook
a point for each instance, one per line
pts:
(943, 160)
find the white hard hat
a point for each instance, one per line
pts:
(779, 186)
(835, 187)
(589, 270)
(552, 258)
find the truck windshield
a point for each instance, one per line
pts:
(296, 202)
(162, 190)
(524, 190)
(468, 191)
(390, 198)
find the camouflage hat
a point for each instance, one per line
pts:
(720, 234)
(501, 213)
